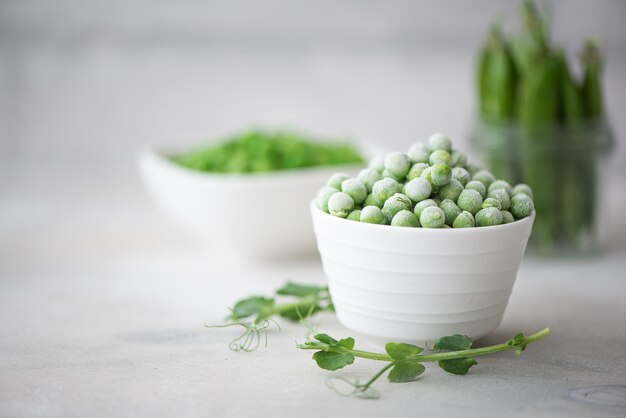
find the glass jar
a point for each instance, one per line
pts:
(566, 167)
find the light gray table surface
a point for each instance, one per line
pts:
(102, 304)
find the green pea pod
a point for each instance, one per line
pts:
(533, 44)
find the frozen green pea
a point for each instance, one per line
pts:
(432, 217)
(478, 186)
(418, 153)
(492, 202)
(419, 207)
(485, 177)
(473, 168)
(395, 204)
(521, 206)
(500, 184)
(470, 200)
(368, 176)
(440, 157)
(418, 189)
(377, 163)
(441, 174)
(340, 204)
(355, 215)
(524, 189)
(458, 159)
(405, 218)
(355, 189)
(321, 200)
(507, 217)
(372, 215)
(450, 209)
(489, 217)
(502, 196)
(464, 220)
(386, 174)
(397, 164)
(416, 170)
(427, 175)
(336, 179)
(451, 190)
(439, 141)
(370, 200)
(461, 175)
(384, 188)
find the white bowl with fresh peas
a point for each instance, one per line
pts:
(421, 245)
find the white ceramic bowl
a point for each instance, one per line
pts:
(419, 284)
(254, 215)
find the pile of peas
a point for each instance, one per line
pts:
(431, 186)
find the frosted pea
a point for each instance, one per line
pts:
(355, 215)
(368, 176)
(377, 163)
(387, 174)
(419, 207)
(416, 170)
(355, 189)
(521, 206)
(492, 202)
(427, 175)
(523, 189)
(441, 174)
(372, 215)
(439, 141)
(464, 220)
(485, 177)
(418, 189)
(458, 159)
(470, 200)
(397, 164)
(461, 174)
(473, 168)
(450, 209)
(451, 190)
(405, 218)
(507, 217)
(340, 204)
(321, 200)
(336, 179)
(370, 200)
(478, 186)
(432, 217)
(489, 217)
(395, 204)
(418, 153)
(500, 184)
(384, 188)
(440, 157)
(502, 196)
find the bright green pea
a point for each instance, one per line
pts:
(321, 200)
(370, 200)
(451, 190)
(397, 164)
(502, 196)
(439, 141)
(416, 170)
(500, 184)
(485, 177)
(450, 209)
(432, 217)
(507, 217)
(458, 159)
(440, 157)
(420, 206)
(441, 174)
(336, 179)
(384, 188)
(372, 215)
(478, 186)
(521, 206)
(461, 175)
(524, 189)
(377, 163)
(489, 217)
(464, 220)
(405, 218)
(418, 189)
(340, 204)
(355, 215)
(395, 204)
(492, 202)
(418, 153)
(470, 200)
(368, 176)
(355, 189)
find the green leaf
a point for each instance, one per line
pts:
(251, 306)
(405, 371)
(400, 351)
(330, 360)
(301, 312)
(458, 366)
(517, 340)
(299, 290)
(326, 339)
(454, 342)
(346, 343)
